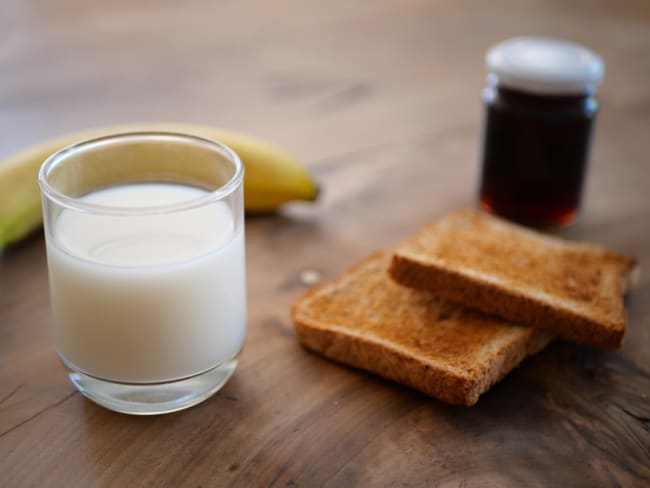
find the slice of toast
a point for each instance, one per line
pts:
(573, 290)
(366, 320)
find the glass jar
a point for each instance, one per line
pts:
(540, 109)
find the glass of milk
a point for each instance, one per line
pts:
(145, 247)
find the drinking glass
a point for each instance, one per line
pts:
(145, 246)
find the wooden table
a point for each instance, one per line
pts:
(381, 100)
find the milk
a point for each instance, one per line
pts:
(151, 298)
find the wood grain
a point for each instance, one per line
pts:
(382, 101)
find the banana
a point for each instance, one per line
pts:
(271, 179)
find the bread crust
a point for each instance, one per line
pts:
(391, 363)
(384, 355)
(597, 318)
(510, 304)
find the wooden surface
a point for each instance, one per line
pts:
(381, 100)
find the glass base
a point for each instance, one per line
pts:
(152, 398)
(552, 218)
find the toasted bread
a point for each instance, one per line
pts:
(366, 320)
(573, 290)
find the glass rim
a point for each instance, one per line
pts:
(76, 203)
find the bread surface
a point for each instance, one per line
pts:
(571, 289)
(366, 320)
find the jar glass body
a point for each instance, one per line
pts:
(535, 154)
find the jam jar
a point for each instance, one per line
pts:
(540, 109)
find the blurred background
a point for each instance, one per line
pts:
(319, 78)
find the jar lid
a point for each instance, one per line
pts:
(545, 66)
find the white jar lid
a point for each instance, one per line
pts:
(545, 66)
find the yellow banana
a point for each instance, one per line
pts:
(272, 177)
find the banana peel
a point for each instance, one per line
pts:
(271, 179)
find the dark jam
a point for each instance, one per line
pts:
(535, 153)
